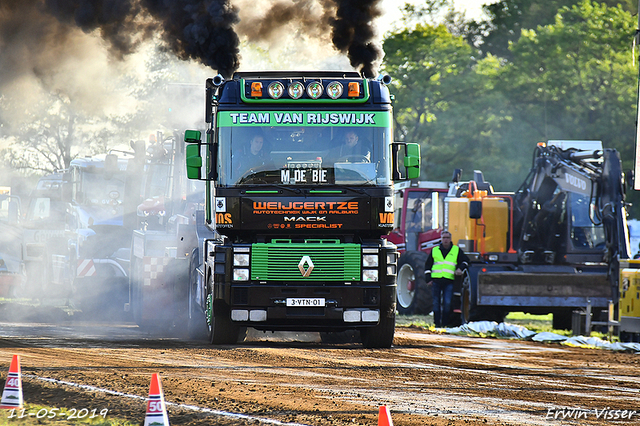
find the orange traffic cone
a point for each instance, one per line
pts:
(384, 418)
(156, 410)
(12, 393)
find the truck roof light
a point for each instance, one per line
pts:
(334, 89)
(296, 90)
(314, 90)
(276, 90)
(354, 89)
(256, 89)
(542, 144)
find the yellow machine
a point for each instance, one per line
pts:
(485, 234)
(629, 304)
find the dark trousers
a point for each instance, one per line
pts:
(442, 295)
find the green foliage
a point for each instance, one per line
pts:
(571, 78)
(507, 18)
(574, 79)
(446, 101)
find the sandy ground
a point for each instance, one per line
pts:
(294, 379)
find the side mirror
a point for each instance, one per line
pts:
(407, 166)
(193, 161)
(412, 161)
(192, 136)
(475, 209)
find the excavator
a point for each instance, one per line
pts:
(554, 245)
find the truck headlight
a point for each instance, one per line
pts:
(240, 274)
(369, 275)
(370, 260)
(240, 259)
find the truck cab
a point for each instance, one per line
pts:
(299, 169)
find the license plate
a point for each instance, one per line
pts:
(305, 302)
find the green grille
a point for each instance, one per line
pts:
(332, 261)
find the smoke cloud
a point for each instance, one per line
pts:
(346, 24)
(205, 31)
(354, 32)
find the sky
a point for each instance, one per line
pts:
(472, 9)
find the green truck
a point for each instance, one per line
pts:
(299, 170)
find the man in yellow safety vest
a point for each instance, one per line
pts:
(444, 263)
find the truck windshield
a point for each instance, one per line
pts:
(299, 155)
(46, 209)
(99, 190)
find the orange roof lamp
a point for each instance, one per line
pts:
(256, 89)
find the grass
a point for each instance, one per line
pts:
(31, 414)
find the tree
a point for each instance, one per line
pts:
(58, 127)
(507, 18)
(571, 79)
(46, 142)
(574, 79)
(445, 100)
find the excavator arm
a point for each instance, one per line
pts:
(572, 204)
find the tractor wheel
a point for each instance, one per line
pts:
(413, 294)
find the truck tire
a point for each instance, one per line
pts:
(561, 320)
(196, 319)
(469, 309)
(380, 336)
(222, 331)
(414, 295)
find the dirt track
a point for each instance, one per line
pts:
(425, 379)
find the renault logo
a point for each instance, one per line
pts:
(305, 260)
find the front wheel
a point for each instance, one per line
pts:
(196, 319)
(222, 331)
(380, 336)
(414, 295)
(469, 309)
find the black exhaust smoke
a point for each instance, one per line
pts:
(354, 32)
(199, 30)
(347, 23)
(194, 29)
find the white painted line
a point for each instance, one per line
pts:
(187, 407)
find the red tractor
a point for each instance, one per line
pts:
(419, 214)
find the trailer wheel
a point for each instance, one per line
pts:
(413, 293)
(222, 331)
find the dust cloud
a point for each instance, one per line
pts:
(96, 57)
